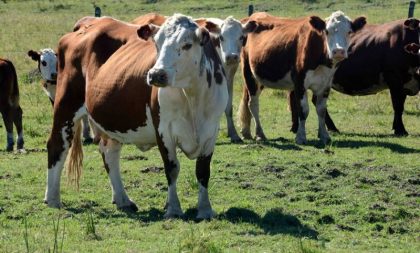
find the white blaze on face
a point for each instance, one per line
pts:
(48, 64)
(179, 52)
(231, 38)
(338, 28)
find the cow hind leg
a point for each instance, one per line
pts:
(321, 109)
(87, 138)
(328, 120)
(244, 115)
(255, 111)
(17, 119)
(202, 172)
(293, 107)
(110, 151)
(8, 123)
(234, 137)
(303, 112)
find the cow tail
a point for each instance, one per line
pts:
(244, 115)
(14, 98)
(75, 158)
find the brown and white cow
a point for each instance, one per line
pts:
(381, 57)
(173, 98)
(9, 104)
(47, 66)
(230, 36)
(293, 54)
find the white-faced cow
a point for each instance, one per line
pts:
(9, 104)
(229, 38)
(47, 66)
(293, 54)
(381, 57)
(169, 90)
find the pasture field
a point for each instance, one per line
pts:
(360, 194)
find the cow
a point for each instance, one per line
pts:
(230, 36)
(293, 54)
(381, 57)
(166, 88)
(47, 66)
(9, 104)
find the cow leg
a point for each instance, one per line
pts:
(244, 115)
(328, 120)
(234, 137)
(294, 110)
(202, 172)
(303, 111)
(255, 111)
(110, 151)
(398, 100)
(87, 138)
(8, 123)
(17, 119)
(321, 109)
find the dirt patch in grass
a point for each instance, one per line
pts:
(152, 169)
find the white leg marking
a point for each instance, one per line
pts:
(204, 207)
(321, 107)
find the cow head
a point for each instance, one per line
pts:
(232, 36)
(179, 43)
(47, 63)
(338, 29)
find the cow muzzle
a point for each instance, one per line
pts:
(338, 54)
(232, 59)
(54, 76)
(157, 77)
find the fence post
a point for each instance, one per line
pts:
(411, 9)
(97, 11)
(250, 9)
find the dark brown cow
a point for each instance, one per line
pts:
(378, 60)
(293, 54)
(9, 104)
(182, 108)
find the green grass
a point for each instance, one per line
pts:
(360, 196)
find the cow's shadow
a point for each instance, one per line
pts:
(272, 223)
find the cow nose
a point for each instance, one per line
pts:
(339, 54)
(157, 77)
(232, 58)
(54, 76)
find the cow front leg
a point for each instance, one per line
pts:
(398, 100)
(303, 111)
(110, 150)
(202, 172)
(17, 119)
(321, 109)
(8, 123)
(328, 120)
(234, 137)
(294, 107)
(173, 206)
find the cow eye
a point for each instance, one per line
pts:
(242, 38)
(187, 46)
(350, 32)
(221, 38)
(326, 32)
(44, 63)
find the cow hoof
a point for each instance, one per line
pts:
(236, 139)
(401, 133)
(294, 129)
(173, 214)
(53, 203)
(300, 141)
(21, 151)
(260, 138)
(130, 208)
(326, 141)
(246, 134)
(205, 214)
(9, 148)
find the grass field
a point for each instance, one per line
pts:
(361, 194)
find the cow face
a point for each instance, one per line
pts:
(47, 63)
(179, 43)
(232, 36)
(338, 29)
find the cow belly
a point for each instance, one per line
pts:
(284, 83)
(361, 88)
(144, 137)
(319, 80)
(412, 87)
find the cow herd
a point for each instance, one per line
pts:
(166, 81)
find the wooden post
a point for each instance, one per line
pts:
(97, 11)
(411, 9)
(250, 9)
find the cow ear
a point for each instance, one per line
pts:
(412, 48)
(412, 23)
(203, 35)
(249, 27)
(212, 27)
(34, 55)
(317, 23)
(147, 31)
(358, 24)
